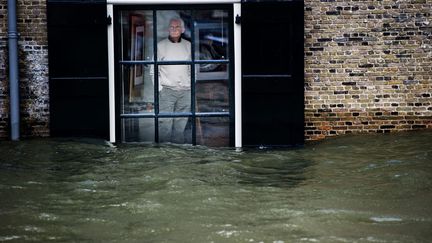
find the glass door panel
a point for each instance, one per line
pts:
(137, 89)
(138, 129)
(212, 90)
(136, 50)
(211, 35)
(174, 77)
(213, 131)
(163, 22)
(137, 35)
(175, 130)
(186, 53)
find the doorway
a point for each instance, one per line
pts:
(183, 96)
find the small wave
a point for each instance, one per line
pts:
(386, 219)
(47, 217)
(394, 161)
(34, 183)
(228, 233)
(31, 228)
(7, 238)
(309, 239)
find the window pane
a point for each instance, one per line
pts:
(213, 131)
(137, 35)
(211, 34)
(138, 129)
(175, 130)
(137, 87)
(174, 87)
(212, 89)
(173, 34)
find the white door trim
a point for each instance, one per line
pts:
(237, 77)
(111, 75)
(237, 61)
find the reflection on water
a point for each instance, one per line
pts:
(368, 188)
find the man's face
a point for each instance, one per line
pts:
(175, 29)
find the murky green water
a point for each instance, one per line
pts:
(369, 188)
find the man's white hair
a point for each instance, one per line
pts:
(178, 19)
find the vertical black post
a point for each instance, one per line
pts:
(193, 108)
(156, 77)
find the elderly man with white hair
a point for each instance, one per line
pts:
(174, 82)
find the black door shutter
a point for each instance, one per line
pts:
(78, 68)
(273, 76)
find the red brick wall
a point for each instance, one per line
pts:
(33, 66)
(368, 66)
(4, 87)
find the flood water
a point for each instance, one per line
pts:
(359, 188)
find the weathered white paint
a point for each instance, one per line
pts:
(237, 77)
(111, 81)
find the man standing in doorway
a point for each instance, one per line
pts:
(174, 82)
